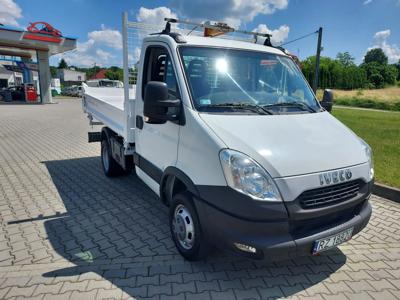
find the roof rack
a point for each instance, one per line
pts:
(216, 29)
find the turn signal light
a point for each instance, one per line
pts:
(245, 248)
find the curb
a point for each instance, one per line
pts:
(387, 192)
(365, 108)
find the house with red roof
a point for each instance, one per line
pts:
(100, 74)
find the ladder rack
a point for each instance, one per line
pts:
(218, 28)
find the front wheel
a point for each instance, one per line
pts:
(186, 230)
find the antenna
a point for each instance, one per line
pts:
(167, 28)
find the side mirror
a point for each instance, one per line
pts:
(157, 107)
(327, 100)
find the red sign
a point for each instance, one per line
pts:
(43, 28)
(44, 32)
(42, 38)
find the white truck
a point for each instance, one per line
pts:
(231, 137)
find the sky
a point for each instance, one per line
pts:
(348, 25)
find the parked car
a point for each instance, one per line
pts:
(5, 95)
(70, 90)
(105, 83)
(76, 91)
(17, 93)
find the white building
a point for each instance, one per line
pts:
(67, 75)
(34, 46)
(9, 78)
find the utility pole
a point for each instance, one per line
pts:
(317, 58)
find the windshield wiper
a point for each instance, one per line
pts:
(301, 105)
(240, 105)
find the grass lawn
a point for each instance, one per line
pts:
(381, 130)
(385, 99)
(389, 94)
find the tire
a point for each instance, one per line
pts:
(110, 167)
(186, 230)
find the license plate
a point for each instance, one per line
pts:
(332, 241)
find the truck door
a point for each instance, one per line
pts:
(156, 144)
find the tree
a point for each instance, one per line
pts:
(398, 69)
(90, 72)
(53, 71)
(115, 73)
(345, 59)
(390, 74)
(62, 64)
(377, 80)
(376, 55)
(335, 74)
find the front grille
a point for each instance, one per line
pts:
(329, 195)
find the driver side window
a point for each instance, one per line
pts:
(159, 68)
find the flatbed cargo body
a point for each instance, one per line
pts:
(106, 105)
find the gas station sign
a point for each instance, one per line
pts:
(13, 68)
(28, 65)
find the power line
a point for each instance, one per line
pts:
(299, 38)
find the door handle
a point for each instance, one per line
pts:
(139, 122)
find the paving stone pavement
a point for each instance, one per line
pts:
(68, 232)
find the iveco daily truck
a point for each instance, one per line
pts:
(232, 139)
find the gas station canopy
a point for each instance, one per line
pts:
(40, 40)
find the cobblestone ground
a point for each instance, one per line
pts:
(68, 232)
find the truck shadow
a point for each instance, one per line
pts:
(119, 229)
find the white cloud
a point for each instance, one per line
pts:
(278, 35)
(92, 50)
(136, 54)
(9, 12)
(233, 22)
(155, 16)
(104, 55)
(397, 2)
(381, 36)
(225, 10)
(392, 51)
(133, 57)
(109, 37)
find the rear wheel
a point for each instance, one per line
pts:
(110, 166)
(186, 230)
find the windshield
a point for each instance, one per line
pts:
(222, 78)
(106, 83)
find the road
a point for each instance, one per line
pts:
(68, 232)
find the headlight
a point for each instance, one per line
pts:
(248, 177)
(368, 153)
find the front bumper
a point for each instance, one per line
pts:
(270, 228)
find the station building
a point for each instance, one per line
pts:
(24, 61)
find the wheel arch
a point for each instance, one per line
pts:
(106, 133)
(174, 181)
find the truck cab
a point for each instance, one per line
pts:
(232, 139)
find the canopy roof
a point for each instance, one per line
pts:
(18, 42)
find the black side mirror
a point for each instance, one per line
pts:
(157, 107)
(327, 100)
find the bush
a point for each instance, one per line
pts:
(342, 73)
(377, 80)
(368, 103)
(390, 74)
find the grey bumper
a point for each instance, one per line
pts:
(276, 236)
